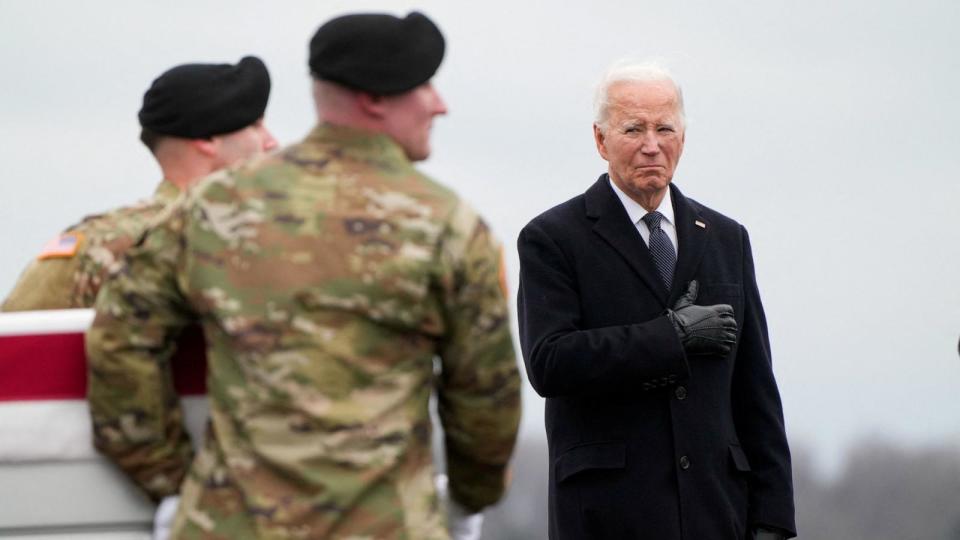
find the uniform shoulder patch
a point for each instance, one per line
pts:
(63, 246)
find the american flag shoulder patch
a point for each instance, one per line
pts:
(63, 246)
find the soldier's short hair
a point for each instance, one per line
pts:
(150, 139)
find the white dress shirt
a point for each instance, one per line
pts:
(636, 213)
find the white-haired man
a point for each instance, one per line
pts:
(642, 325)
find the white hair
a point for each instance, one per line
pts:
(631, 71)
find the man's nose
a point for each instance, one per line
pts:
(439, 106)
(650, 144)
(269, 142)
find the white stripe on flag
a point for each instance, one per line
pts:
(54, 321)
(61, 431)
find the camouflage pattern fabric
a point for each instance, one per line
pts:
(72, 281)
(328, 278)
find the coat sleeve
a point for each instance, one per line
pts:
(563, 358)
(479, 384)
(137, 419)
(758, 413)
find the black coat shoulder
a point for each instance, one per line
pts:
(570, 210)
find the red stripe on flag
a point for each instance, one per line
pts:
(190, 363)
(53, 366)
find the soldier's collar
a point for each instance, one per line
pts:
(378, 146)
(167, 191)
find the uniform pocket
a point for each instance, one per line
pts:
(590, 456)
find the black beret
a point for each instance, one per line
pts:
(377, 53)
(197, 101)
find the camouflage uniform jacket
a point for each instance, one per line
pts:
(69, 272)
(328, 278)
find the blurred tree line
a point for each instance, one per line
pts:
(882, 492)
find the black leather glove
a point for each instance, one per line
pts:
(703, 329)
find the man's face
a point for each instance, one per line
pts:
(244, 143)
(408, 118)
(643, 138)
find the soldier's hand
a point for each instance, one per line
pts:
(703, 329)
(463, 524)
(163, 518)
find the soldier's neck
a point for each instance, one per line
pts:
(185, 172)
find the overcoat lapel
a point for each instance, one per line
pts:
(693, 231)
(613, 225)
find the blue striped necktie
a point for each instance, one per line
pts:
(661, 248)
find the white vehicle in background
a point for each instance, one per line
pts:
(53, 483)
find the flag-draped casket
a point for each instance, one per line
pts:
(52, 481)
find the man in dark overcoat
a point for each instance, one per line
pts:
(642, 326)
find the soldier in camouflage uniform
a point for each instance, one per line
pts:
(329, 279)
(195, 119)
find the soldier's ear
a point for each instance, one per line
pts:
(207, 147)
(372, 104)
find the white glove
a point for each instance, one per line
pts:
(463, 525)
(163, 518)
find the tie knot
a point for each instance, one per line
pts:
(653, 220)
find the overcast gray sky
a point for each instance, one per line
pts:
(828, 128)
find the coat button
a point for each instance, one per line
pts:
(684, 462)
(681, 393)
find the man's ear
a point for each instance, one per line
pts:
(599, 138)
(207, 147)
(372, 104)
